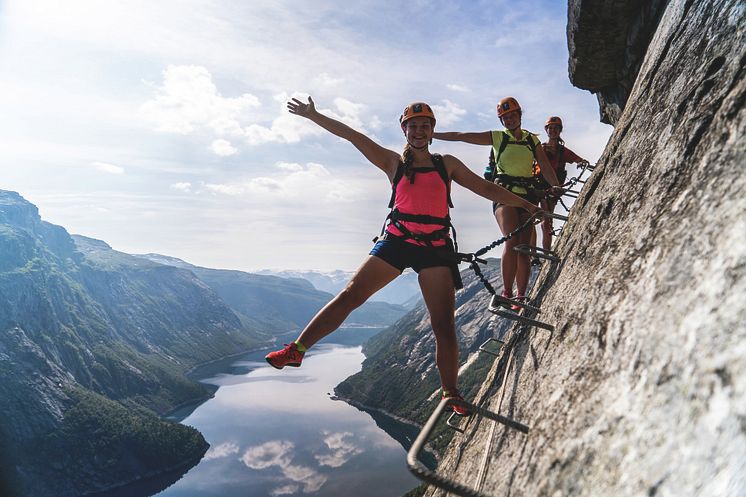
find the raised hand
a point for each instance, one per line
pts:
(298, 108)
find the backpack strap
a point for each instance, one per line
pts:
(441, 168)
(496, 158)
(397, 178)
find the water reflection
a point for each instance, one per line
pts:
(278, 433)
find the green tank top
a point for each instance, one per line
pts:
(516, 160)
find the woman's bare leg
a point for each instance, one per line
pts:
(546, 224)
(515, 267)
(438, 292)
(507, 219)
(372, 275)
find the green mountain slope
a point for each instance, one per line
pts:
(94, 343)
(275, 304)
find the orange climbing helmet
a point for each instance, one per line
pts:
(507, 104)
(416, 109)
(553, 120)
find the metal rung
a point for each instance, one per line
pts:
(523, 319)
(537, 252)
(483, 347)
(556, 216)
(453, 425)
(420, 471)
(509, 302)
(571, 194)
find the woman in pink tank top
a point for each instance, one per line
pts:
(417, 236)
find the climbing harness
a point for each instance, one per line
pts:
(396, 218)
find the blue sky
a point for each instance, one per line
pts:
(161, 126)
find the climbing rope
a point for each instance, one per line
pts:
(474, 260)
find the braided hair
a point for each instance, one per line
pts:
(407, 158)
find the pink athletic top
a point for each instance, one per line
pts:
(427, 195)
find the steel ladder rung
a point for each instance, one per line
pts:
(483, 347)
(420, 471)
(523, 319)
(508, 302)
(537, 252)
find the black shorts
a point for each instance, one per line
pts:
(401, 255)
(526, 196)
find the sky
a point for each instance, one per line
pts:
(161, 127)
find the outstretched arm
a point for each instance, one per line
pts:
(481, 138)
(466, 178)
(383, 158)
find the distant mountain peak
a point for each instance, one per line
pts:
(166, 260)
(81, 240)
(16, 210)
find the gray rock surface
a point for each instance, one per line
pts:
(607, 42)
(641, 390)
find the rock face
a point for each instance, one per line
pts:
(607, 42)
(641, 389)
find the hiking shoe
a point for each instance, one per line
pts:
(458, 409)
(289, 356)
(518, 298)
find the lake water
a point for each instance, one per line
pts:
(278, 433)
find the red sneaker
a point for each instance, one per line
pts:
(458, 409)
(520, 298)
(289, 356)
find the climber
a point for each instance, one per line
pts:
(514, 151)
(417, 236)
(558, 156)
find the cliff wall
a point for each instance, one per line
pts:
(641, 388)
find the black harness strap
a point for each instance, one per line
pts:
(396, 217)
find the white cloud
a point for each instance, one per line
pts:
(278, 453)
(456, 87)
(311, 479)
(223, 148)
(288, 166)
(341, 449)
(219, 451)
(375, 123)
(285, 490)
(448, 113)
(105, 167)
(188, 100)
(294, 182)
(185, 186)
(324, 79)
(274, 453)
